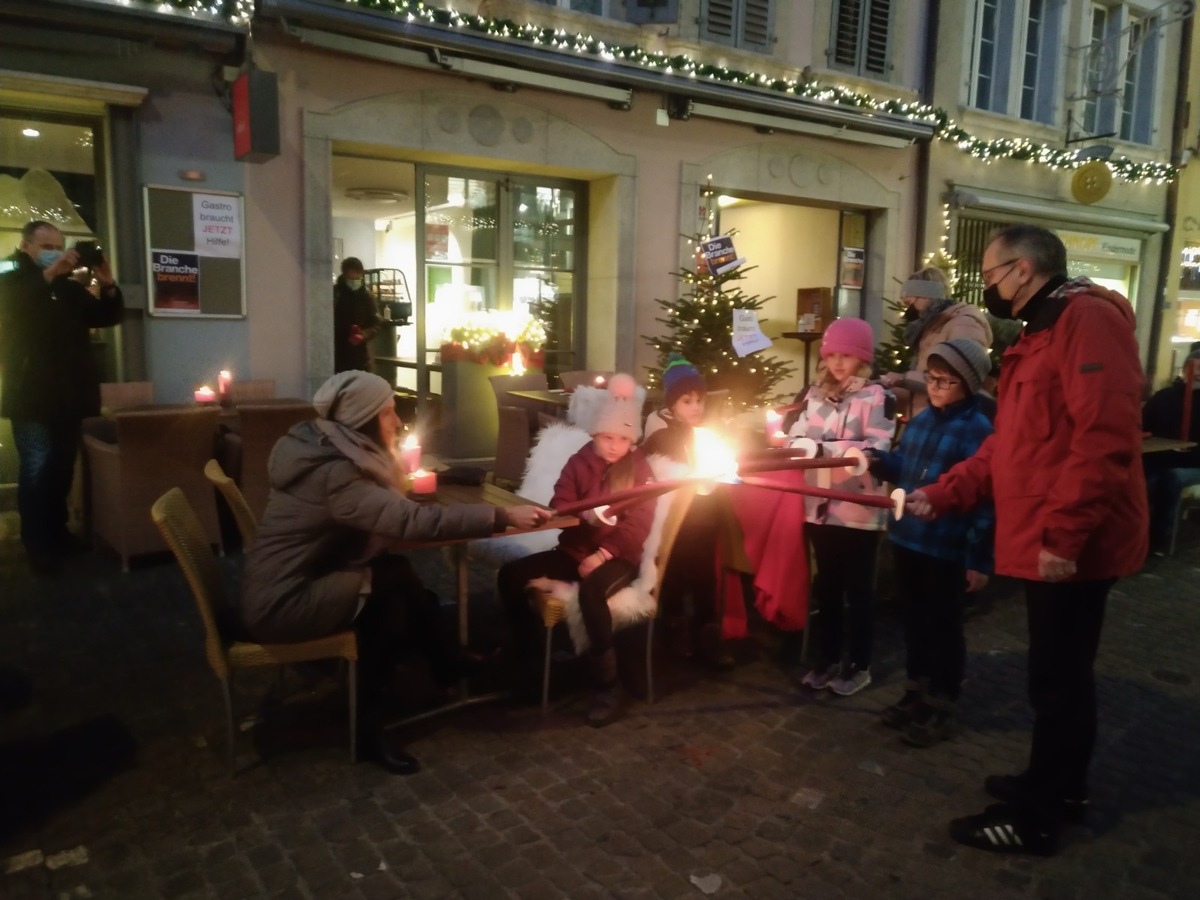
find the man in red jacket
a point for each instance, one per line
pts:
(1064, 471)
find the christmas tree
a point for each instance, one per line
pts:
(700, 326)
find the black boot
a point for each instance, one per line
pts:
(607, 703)
(382, 745)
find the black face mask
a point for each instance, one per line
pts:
(997, 305)
(911, 314)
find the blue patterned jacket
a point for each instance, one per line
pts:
(935, 440)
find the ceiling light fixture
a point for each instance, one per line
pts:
(376, 195)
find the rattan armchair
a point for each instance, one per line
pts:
(247, 525)
(259, 427)
(248, 391)
(183, 533)
(517, 423)
(119, 394)
(552, 607)
(155, 450)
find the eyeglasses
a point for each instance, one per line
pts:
(942, 384)
(1010, 262)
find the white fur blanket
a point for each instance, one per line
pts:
(635, 602)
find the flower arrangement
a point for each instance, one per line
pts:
(493, 336)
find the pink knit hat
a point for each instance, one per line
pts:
(850, 336)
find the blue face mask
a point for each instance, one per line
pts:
(355, 283)
(46, 258)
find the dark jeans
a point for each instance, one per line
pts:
(1164, 487)
(47, 456)
(1064, 632)
(594, 592)
(399, 615)
(844, 592)
(932, 591)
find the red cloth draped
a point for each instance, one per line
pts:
(772, 523)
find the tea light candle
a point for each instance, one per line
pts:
(423, 483)
(600, 382)
(204, 394)
(410, 454)
(777, 438)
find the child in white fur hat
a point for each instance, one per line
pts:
(600, 557)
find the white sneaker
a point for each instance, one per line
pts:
(852, 683)
(818, 679)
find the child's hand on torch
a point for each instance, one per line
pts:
(526, 516)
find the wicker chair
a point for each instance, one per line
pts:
(517, 424)
(259, 428)
(119, 394)
(582, 378)
(155, 450)
(553, 608)
(248, 391)
(247, 525)
(183, 533)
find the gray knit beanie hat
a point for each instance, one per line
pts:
(352, 398)
(966, 358)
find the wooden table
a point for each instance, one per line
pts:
(1154, 444)
(558, 400)
(447, 495)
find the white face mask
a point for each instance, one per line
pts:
(355, 283)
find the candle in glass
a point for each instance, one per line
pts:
(410, 454)
(774, 421)
(224, 380)
(600, 382)
(204, 394)
(777, 438)
(423, 483)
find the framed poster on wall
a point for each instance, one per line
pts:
(194, 253)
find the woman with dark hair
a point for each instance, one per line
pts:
(321, 562)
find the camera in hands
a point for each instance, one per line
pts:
(90, 254)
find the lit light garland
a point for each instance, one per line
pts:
(685, 66)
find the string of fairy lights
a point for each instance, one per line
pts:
(687, 67)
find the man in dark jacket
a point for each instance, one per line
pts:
(355, 319)
(1063, 469)
(50, 379)
(1168, 473)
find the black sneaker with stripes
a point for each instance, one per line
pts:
(1002, 829)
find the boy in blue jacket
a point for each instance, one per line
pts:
(938, 562)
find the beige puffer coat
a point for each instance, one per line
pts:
(962, 320)
(301, 580)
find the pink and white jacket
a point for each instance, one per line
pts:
(857, 419)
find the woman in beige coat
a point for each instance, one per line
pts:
(324, 561)
(933, 318)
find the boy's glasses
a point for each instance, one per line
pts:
(942, 384)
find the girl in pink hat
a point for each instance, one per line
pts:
(844, 410)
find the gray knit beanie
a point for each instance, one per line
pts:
(352, 398)
(966, 358)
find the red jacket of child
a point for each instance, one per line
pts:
(586, 475)
(1064, 464)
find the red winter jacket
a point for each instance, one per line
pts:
(586, 475)
(1064, 464)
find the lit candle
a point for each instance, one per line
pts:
(777, 438)
(423, 483)
(600, 382)
(774, 421)
(224, 380)
(410, 454)
(204, 394)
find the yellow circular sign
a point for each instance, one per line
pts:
(1091, 181)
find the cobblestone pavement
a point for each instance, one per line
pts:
(740, 785)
